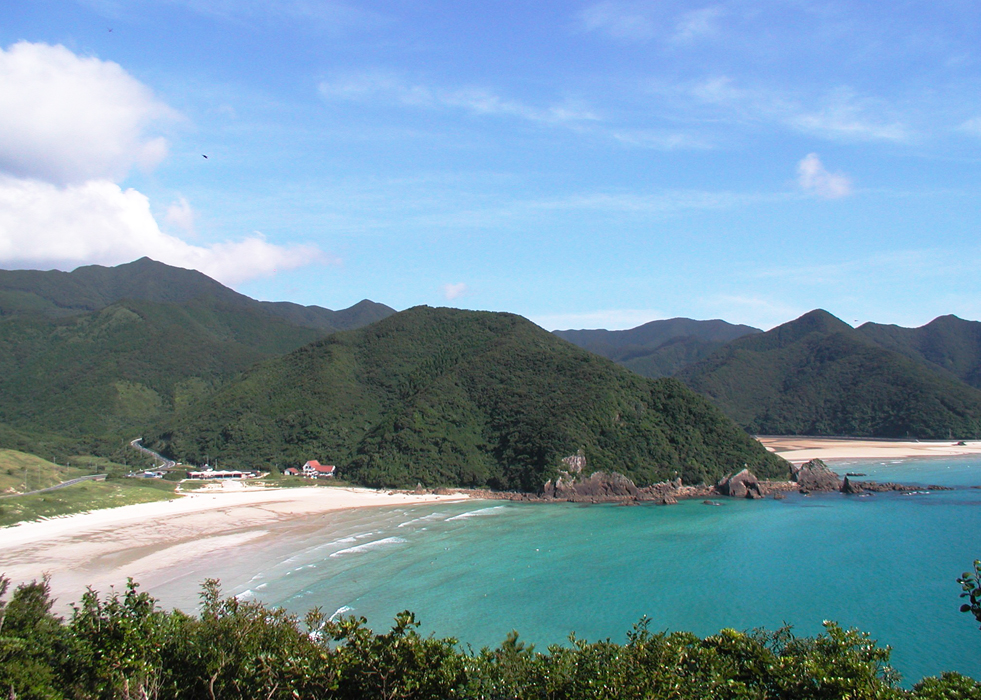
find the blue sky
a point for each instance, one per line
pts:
(585, 164)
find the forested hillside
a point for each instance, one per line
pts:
(818, 376)
(442, 396)
(659, 348)
(93, 358)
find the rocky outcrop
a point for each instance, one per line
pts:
(741, 485)
(852, 487)
(600, 486)
(815, 476)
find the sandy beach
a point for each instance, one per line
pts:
(157, 542)
(802, 449)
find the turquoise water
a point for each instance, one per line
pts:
(886, 564)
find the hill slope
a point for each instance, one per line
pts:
(818, 376)
(948, 343)
(94, 287)
(659, 348)
(94, 357)
(441, 396)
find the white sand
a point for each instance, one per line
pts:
(802, 449)
(153, 541)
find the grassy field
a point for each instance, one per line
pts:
(20, 472)
(88, 495)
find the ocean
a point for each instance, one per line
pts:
(886, 564)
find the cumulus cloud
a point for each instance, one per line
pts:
(67, 119)
(815, 179)
(454, 291)
(42, 224)
(71, 128)
(180, 215)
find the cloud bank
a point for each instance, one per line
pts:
(71, 129)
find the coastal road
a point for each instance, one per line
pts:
(63, 484)
(166, 463)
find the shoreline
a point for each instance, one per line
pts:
(155, 542)
(797, 449)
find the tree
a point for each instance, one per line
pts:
(971, 587)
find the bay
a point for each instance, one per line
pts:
(886, 564)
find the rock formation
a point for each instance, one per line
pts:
(815, 476)
(742, 485)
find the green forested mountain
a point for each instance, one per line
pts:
(659, 348)
(441, 396)
(96, 356)
(94, 287)
(819, 376)
(948, 343)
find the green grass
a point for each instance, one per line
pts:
(20, 472)
(78, 498)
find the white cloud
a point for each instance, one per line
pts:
(454, 291)
(42, 224)
(476, 100)
(71, 128)
(815, 179)
(618, 20)
(837, 115)
(181, 215)
(68, 119)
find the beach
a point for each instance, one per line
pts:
(802, 449)
(157, 542)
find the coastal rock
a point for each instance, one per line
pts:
(815, 476)
(742, 485)
(851, 487)
(600, 486)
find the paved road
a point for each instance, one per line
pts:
(63, 484)
(167, 463)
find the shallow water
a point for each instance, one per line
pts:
(886, 564)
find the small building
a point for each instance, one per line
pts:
(292, 471)
(315, 470)
(220, 474)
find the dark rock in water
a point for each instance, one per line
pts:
(854, 474)
(851, 487)
(815, 476)
(668, 500)
(779, 496)
(742, 485)
(711, 503)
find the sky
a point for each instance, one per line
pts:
(583, 164)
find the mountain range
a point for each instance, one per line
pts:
(817, 375)
(91, 358)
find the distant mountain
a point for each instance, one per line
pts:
(94, 287)
(96, 356)
(819, 376)
(449, 397)
(659, 348)
(948, 343)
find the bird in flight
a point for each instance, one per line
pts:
(204, 156)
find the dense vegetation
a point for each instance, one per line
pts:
(947, 343)
(449, 397)
(90, 359)
(819, 376)
(125, 646)
(659, 348)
